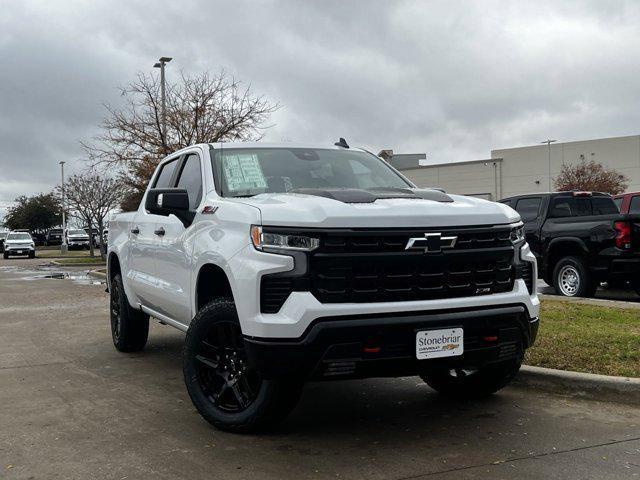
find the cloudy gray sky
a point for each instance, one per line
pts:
(452, 79)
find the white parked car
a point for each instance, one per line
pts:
(19, 243)
(77, 238)
(289, 263)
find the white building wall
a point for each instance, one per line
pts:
(526, 169)
(477, 178)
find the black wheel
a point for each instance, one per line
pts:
(222, 384)
(32, 254)
(129, 327)
(470, 383)
(571, 278)
(5, 255)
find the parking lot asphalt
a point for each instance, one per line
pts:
(73, 407)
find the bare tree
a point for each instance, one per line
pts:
(90, 198)
(591, 176)
(199, 108)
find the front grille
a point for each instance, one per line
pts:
(369, 267)
(374, 266)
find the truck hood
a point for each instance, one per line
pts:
(300, 210)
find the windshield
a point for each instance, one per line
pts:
(77, 232)
(3, 235)
(19, 236)
(246, 172)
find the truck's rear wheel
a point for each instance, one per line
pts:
(571, 278)
(223, 386)
(129, 327)
(463, 383)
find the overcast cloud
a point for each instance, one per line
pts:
(452, 79)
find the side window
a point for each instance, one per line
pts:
(603, 206)
(635, 204)
(618, 202)
(166, 174)
(528, 208)
(191, 180)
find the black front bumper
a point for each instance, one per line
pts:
(384, 345)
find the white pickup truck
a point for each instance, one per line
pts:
(288, 263)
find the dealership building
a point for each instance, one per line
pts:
(515, 171)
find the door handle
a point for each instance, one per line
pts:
(135, 230)
(159, 231)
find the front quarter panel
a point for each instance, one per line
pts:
(221, 235)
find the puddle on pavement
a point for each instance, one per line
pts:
(80, 277)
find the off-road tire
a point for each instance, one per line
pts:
(129, 327)
(454, 383)
(272, 400)
(586, 285)
(32, 254)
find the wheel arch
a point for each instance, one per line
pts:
(564, 247)
(212, 282)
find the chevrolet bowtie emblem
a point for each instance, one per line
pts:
(431, 242)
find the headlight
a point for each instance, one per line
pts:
(284, 241)
(517, 234)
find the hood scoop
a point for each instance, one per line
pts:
(354, 195)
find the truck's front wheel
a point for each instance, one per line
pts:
(222, 384)
(472, 383)
(129, 327)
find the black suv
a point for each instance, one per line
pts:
(54, 237)
(580, 239)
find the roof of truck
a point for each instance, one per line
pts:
(324, 146)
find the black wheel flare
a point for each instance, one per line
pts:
(222, 369)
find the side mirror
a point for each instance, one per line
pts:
(168, 201)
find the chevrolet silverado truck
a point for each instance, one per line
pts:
(291, 263)
(580, 240)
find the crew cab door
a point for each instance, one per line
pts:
(174, 246)
(143, 242)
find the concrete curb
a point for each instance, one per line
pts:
(584, 385)
(98, 273)
(598, 302)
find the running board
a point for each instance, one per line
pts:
(164, 319)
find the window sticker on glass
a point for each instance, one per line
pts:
(243, 172)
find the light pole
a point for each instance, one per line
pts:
(549, 142)
(63, 244)
(160, 64)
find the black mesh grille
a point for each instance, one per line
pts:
(374, 266)
(410, 276)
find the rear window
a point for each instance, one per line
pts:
(604, 206)
(528, 208)
(570, 207)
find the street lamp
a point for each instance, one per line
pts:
(160, 64)
(549, 142)
(63, 244)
